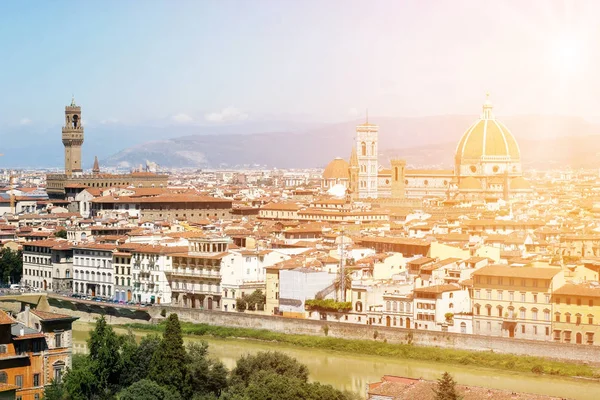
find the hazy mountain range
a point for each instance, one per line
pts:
(545, 141)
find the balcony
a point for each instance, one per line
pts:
(215, 290)
(193, 273)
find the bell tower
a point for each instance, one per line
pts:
(72, 138)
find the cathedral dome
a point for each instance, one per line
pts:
(337, 169)
(487, 139)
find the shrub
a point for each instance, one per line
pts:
(163, 313)
(326, 330)
(328, 305)
(537, 369)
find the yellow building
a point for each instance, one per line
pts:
(577, 313)
(514, 301)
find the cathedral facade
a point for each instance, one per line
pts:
(487, 165)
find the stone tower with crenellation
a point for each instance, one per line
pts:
(72, 138)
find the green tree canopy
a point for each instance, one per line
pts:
(148, 390)
(61, 234)
(169, 362)
(274, 362)
(105, 354)
(11, 265)
(205, 376)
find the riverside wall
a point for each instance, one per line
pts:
(569, 352)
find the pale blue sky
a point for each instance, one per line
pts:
(211, 62)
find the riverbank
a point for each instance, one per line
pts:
(508, 362)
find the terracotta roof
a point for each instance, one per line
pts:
(586, 289)
(5, 319)
(49, 316)
(517, 272)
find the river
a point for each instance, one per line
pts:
(353, 372)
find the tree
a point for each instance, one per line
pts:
(205, 376)
(80, 382)
(273, 362)
(105, 355)
(445, 388)
(148, 390)
(169, 362)
(55, 391)
(61, 234)
(136, 366)
(11, 265)
(252, 302)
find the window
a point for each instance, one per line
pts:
(3, 350)
(522, 313)
(477, 294)
(522, 297)
(523, 282)
(590, 337)
(58, 340)
(557, 317)
(568, 317)
(535, 283)
(36, 396)
(535, 297)
(3, 377)
(511, 296)
(535, 330)
(547, 331)
(591, 303)
(522, 328)
(548, 299)
(19, 380)
(534, 314)
(499, 294)
(578, 319)
(489, 294)
(590, 319)
(36, 379)
(568, 301)
(578, 302)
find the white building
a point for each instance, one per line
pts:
(244, 271)
(149, 266)
(432, 304)
(92, 270)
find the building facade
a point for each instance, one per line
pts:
(93, 274)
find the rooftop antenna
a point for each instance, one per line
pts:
(367, 116)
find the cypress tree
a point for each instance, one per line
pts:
(168, 366)
(446, 388)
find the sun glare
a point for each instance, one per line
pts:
(568, 57)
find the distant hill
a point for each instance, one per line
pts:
(425, 141)
(545, 141)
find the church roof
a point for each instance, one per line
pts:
(487, 137)
(337, 169)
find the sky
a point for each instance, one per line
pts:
(209, 62)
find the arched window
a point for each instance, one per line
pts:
(451, 306)
(373, 152)
(500, 311)
(451, 295)
(363, 148)
(477, 309)
(3, 377)
(463, 327)
(388, 306)
(489, 310)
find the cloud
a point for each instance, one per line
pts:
(182, 118)
(25, 121)
(226, 114)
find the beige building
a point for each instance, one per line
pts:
(515, 302)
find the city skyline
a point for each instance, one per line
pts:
(229, 62)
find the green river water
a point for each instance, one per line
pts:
(353, 372)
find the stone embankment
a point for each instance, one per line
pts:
(570, 352)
